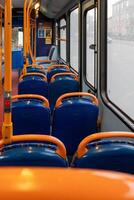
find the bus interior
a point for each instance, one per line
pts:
(66, 99)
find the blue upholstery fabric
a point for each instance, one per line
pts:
(31, 154)
(30, 117)
(33, 85)
(56, 71)
(35, 70)
(61, 85)
(73, 120)
(114, 155)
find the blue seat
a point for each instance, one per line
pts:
(61, 84)
(115, 153)
(34, 153)
(33, 83)
(30, 115)
(74, 118)
(55, 69)
(35, 70)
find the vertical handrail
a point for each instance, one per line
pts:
(32, 50)
(0, 50)
(7, 127)
(35, 41)
(28, 25)
(24, 36)
(27, 50)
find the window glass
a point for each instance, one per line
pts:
(17, 38)
(90, 42)
(74, 39)
(120, 58)
(63, 44)
(62, 22)
(63, 39)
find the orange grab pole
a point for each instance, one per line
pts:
(59, 101)
(82, 148)
(28, 25)
(32, 96)
(26, 32)
(0, 50)
(7, 129)
(25, 36)
(28, 28)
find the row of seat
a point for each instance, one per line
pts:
(75, 116)
(109, 151)
(61, 81)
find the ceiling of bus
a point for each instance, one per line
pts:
(53, 8)
(50, 8)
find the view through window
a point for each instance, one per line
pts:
(74, 29)
(120, 61)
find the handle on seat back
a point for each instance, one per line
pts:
(33, 74)
(32, 96)
(59, 101)
(65, 74)
(82, 148)
(61, 150)
(58, 66)
(37, 66)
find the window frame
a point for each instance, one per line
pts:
(102, 19)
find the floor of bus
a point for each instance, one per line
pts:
(15, 79)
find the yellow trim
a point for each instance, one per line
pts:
(0, 50)
(7, 129)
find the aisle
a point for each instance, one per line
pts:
(15, 91)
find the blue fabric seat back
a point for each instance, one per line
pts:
(56, 71)
(73, 120)
(33, 85)
(31, 154)
(61, 85)
(30, 116)
(113, 155)
(35, 70)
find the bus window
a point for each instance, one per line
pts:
(120, 59)
(63, 39)
(17, 38)
(90, 45)
(74, 39)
